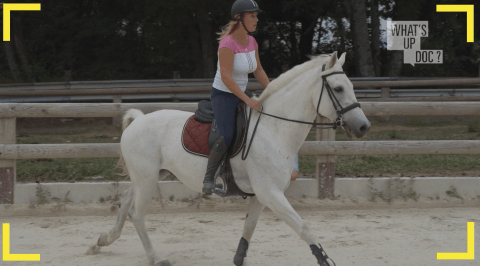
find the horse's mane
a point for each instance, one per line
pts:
(289, 76)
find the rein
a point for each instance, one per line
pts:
(336, 104)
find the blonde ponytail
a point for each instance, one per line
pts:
(227, 29)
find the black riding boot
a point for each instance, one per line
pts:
(216, 154)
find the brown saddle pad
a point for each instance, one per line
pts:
(195, 140)
(195, 137)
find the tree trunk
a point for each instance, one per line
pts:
(306, 38)
(207, 42)
(341, 34)
(377, 65)
(12, 62)
(18, 38)
(319, 37)
(361, 44)
(293, 44)
(396, 64)
(402, 10)
(349, 8)
(196, 51)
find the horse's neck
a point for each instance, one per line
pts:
(293, 102)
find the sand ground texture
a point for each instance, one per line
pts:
(206, 232)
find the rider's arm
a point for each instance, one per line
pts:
(259, 73)
(225, 57)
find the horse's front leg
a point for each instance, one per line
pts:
(276, 201)
(254, 210)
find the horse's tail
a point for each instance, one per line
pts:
(129, 117)
(126, 121)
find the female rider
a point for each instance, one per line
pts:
(237, 57)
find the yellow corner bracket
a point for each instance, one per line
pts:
(6, 249)
(6, 16)
(470, 255)
(461, 8)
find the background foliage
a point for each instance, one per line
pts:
(149, 39)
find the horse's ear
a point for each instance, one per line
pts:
(333, 60)
(341, 60)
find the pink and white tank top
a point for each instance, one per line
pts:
(244, 62)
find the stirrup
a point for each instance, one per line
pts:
(213, 190)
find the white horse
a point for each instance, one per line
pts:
(151, 147)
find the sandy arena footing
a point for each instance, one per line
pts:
(353, 231)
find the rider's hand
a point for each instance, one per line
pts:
(254, 104)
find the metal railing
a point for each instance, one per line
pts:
(198, 89)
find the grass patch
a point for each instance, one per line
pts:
(405, 165)
(306, 165)
(56, 170)
(424, 122)
(474, 127)
(67, 139)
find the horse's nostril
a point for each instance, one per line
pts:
(363, 128)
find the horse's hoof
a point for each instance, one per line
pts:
(241, 252)
(93, 250)
(238, 260)
(102, 240)
(163, 263)
(323, 259)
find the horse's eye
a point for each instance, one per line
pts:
(338, 89)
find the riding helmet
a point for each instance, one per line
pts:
(241, 6)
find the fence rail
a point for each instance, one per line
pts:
(74, 150)
(390, 147)
(106, 150)
(145, 87)
(114, 109)
(363, 95)
(107, 84)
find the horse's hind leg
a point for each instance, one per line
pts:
(163, 174)
(144, 190)
(110, 237)
(254, 210)
(278, 203)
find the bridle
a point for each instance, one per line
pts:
(340, 110)
(336, 104)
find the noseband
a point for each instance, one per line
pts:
(336, 104)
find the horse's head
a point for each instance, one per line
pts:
(335, 98)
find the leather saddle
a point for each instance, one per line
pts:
(204, 114)
(199, 134)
